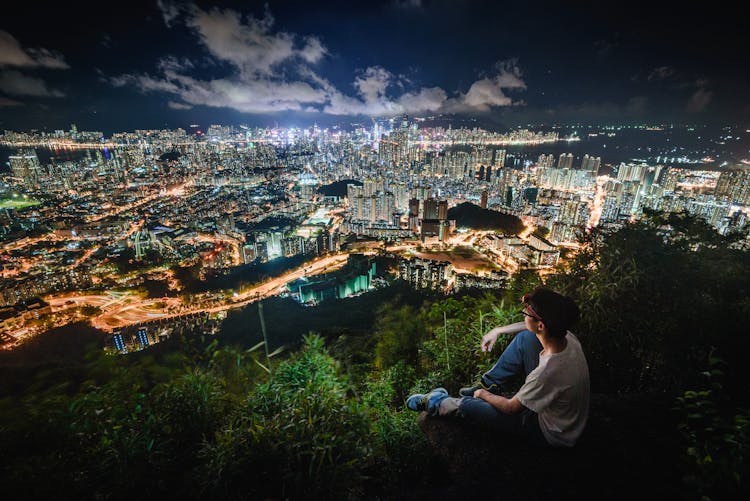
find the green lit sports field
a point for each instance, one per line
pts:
(17, 203)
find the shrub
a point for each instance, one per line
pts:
(297, 435)
(716, 437)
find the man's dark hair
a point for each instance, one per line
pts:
(558, 312)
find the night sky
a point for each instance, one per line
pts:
(127, 65)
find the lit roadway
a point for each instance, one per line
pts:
(173, 192)
(276, 285)
(120, 310)
(123, 309)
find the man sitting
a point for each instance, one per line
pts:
(551, 408)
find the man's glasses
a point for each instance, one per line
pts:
(525, 301)
(530, 315)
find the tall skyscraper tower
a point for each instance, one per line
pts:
(590, 163)
(499, 158)
(25, 166)
(414, 214)
(734, 185)
(442, 210)
(565, 161)
(430, 209)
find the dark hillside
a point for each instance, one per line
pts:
(468, 215)
(338, 188)
(662, 302)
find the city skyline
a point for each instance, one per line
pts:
(165, 64)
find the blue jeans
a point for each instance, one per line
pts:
(520, 357)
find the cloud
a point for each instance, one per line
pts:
(169, 11)
(660, 73)
(179, 106)
(251, 46)
(16, 83)
(12, 54)
(428, 100)
(171, 63)
(373, 83)
(699, 100)
(252, 96)
(372, 86)
(5, 102)
(313, 51)
(144, 83)
(270, 71)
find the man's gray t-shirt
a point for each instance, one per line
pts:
(558, 391)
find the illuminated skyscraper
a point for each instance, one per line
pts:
(590, 163)
(430, 209)
(631, 172)
(565, 161)
(119, 343)
(142, 337)
(545, 160)
(734, 185)
(499, 158)
(414, 214)
(25, 167)
(442, 210)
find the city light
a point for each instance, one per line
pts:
(151, 204)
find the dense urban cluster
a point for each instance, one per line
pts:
(86, 219)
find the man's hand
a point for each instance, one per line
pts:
(488, 340)
(499, 402)
(480, 393)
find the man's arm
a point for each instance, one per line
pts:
(488, 340)
(504, 405)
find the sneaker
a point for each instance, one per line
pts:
(469, 390)
(426, 401)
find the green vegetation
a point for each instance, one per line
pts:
(88, 310)
(541, 231)
(658, 296)
(662, 304)
(17, 202)
(236, 277)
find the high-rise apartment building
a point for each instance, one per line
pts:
(565, 161)
(25, 166)
(734, 185)
(442, 210)
(414, 214)
(546, 160)
(591, 164)
(499, 158)
(430, 209)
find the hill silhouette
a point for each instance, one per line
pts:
(337, 189)
(469, 215)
